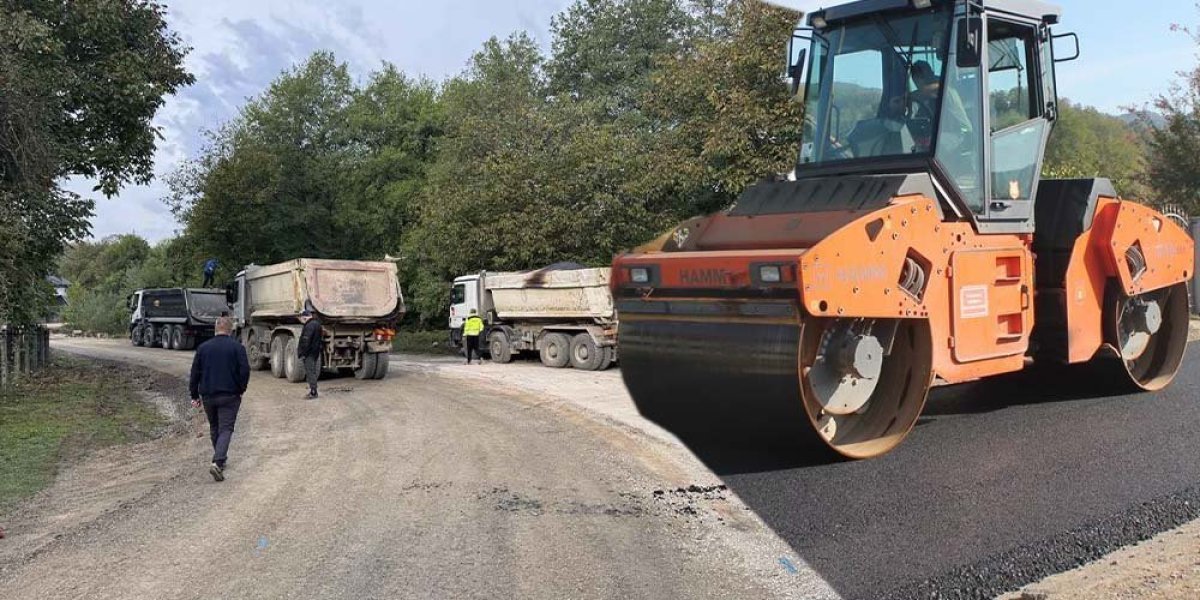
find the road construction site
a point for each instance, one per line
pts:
(484, 481)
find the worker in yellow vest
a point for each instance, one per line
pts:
(472, 328)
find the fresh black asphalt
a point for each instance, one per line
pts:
(1002, 482)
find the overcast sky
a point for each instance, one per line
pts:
(1129, 56)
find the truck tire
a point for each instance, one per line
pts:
(607, 354)
(177, 337)
(135, 335)
(164, 337)
(382, 360)
(148, 335)
(370, 363)
(585, 354)
(254, 353)
(499, 347)
(189, 341)
(278, 347)
(556, 350)
(293, 369)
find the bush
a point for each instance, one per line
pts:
(432, 341)
(97, 312)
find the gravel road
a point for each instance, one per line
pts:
(418, 486)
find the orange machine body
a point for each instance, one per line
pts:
(977, 293)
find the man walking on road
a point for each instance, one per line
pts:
(309, 349)
(472, 327)
(220, 374)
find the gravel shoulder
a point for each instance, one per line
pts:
(421, 485)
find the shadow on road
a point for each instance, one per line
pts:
(993, 465)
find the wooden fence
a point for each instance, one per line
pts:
(23, 350)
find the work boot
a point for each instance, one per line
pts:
(218, 474)
(312, 394)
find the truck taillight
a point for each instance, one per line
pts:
(385, 335)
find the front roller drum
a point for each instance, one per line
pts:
(782, 384)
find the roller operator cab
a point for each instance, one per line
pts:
(917, 243)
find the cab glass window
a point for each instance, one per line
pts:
(458, 294)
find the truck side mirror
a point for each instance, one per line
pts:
(797, 57)
(1054, 47)
(796, 71)
(969, 45)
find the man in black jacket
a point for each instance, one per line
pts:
(309, 349)
(220, 374)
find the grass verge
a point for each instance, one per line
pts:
(57, 416)
(423, 342)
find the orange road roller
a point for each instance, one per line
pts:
(915, 243)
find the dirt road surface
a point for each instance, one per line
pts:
(418, 486)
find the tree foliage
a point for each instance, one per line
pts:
(1174, 165)
(1088, 143)
(103, 273)
(79, 84)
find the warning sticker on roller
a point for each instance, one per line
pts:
(973, 302)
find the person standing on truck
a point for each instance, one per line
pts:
(210, 269)
(309, 349)
(472, 327)
(220, 374)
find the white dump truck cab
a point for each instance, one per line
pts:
(464, 297)
(134, 303)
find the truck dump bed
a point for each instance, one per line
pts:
(551, 294)
(341, 290)
(170, 304)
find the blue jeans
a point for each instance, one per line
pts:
(222, 414)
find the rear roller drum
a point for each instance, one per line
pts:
(1149, 332)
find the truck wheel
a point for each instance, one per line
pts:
(370, 362)
(148, 335)
(293, 369)
(135, 335)
(177, 337)
(189, 341)
(382, 361)
(585, 354)
(258, 362)
(607, 354)
(556, 350)
(499, 347)
(164, 337)
(278, 347)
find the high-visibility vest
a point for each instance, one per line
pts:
(473, 326)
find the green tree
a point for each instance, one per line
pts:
(1088, 143)
(79, 84)
(104, 273)
(314, 167)
(1174, 145)
(727, 118)
(605, 50)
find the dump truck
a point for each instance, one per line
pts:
(174, 318)
(917, 244)
(358, 302)
(562, 312)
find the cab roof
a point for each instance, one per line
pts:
(1032, 9)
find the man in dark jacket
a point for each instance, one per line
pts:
(309, 349)
(210, 269)
(220, 374)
